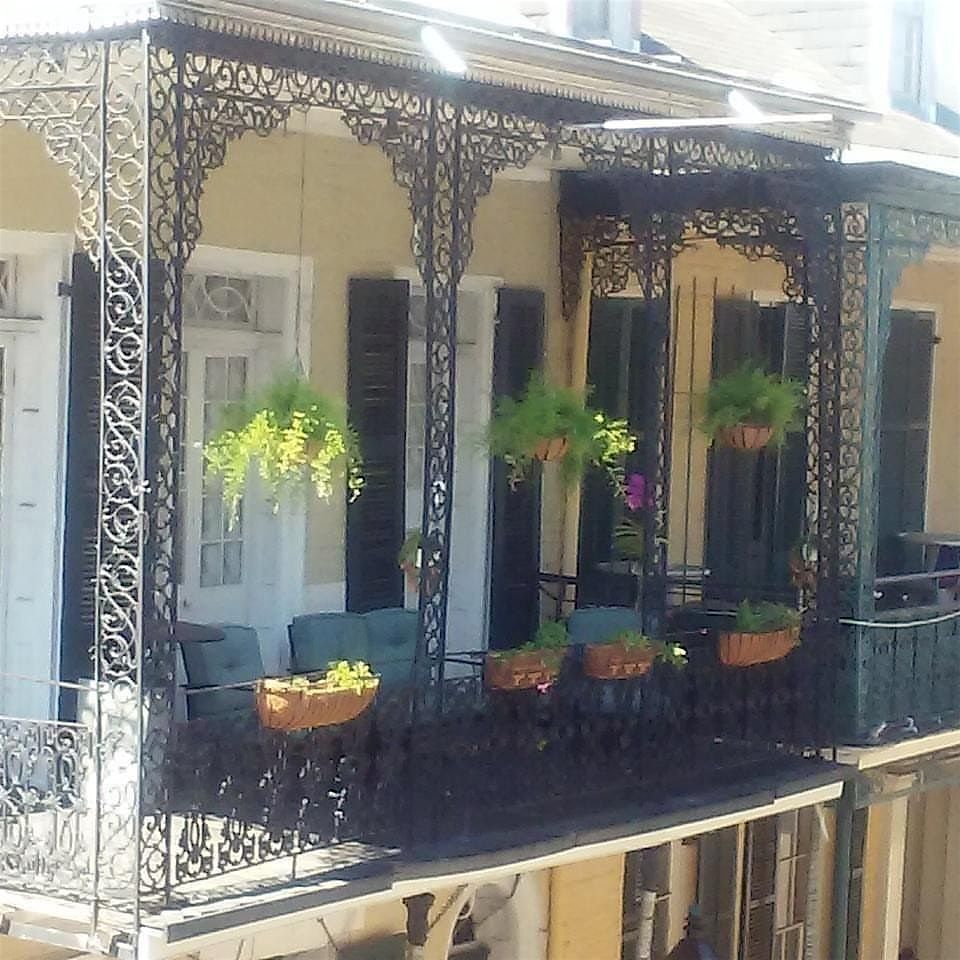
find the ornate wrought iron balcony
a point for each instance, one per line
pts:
(491, 772)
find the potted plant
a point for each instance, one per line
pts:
(553, 423)
(340, 694)
(530, 665)
(410, 560)
(761, 633)
(629, 654)
(749, 409)
(293, 434)
(629, 535)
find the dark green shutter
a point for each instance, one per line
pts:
(515, 551)
(81, 481)
(755, 501)
(377, 402)
(904, 438)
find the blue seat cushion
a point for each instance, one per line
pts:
(317, 639)
(392, 639)
(597, 624)
(215, 656)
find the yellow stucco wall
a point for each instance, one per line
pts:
(586, 910)
(935, 285)
(930, 922)
(355, 223)
(11, 949)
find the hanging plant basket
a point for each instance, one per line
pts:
(617, 661)
(745, 436)
(737, 649)
(522, 670)
(297, 703)
(551, 449)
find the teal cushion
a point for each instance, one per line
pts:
(316, 639)
(214, 656)
(392, 638)
(596, 624)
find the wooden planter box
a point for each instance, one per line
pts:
(745, 436)
(521, 671)
(616, 661)
(748, 649)
(554, 448)
(283, 706)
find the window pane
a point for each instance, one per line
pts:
(237, 378)
(233, 562)
(212, 516)
(211, 564)
(215, 379)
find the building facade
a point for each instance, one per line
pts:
(193, 201)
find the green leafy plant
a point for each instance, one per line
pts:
(409, 556)
(751, 396)
(765, 617)
(293, 434)
(551, 639)
(664, 652)
(340, 675)
(545, 412)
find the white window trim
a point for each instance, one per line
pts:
(291, 591)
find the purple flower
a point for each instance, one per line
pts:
(635, 492)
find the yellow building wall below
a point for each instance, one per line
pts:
(586, 908)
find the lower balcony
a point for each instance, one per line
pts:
(491, 777)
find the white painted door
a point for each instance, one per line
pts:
(227, 561)
(32, 320)
(467, 603)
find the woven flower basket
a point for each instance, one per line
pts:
(521, 671)
(553, 448)
(745, 436)
(616, 661)
(282, 705)
(748, 649)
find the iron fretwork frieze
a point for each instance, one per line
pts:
(620, 254)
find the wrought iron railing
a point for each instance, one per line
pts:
(908, 673)
(491, 765)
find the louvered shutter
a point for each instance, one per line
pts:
(904, 438)
(515, 551)
(377, 396)
(760, 914)
(82, 475)
(755, 501)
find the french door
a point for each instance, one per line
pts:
(225, 559)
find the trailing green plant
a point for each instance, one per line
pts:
(292, 434)
(663, 651)
(339, 675)
(765, 617)
(545, 412)
(551, 638)
(751, 396)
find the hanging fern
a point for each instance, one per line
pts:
(749, 395)
(293, 435)
(545, 412)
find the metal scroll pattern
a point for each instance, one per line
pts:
(46, 822)
(56, 90)
(665, 155)
(86, 100)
